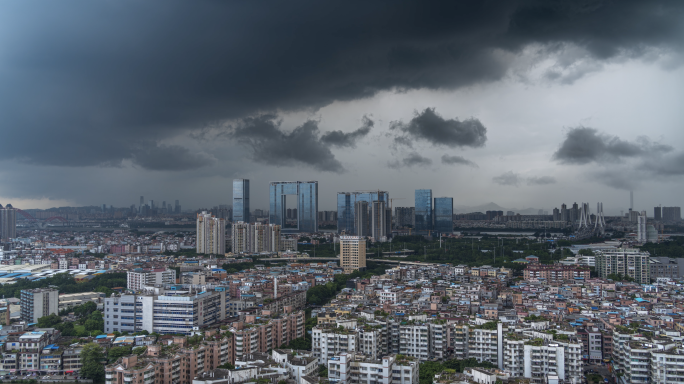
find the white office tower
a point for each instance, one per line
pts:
(641, 227)
(211, 234)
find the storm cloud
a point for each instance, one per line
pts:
(433, 128)
(541, 180)
(273, 146)
(413, 159)
(92, 79)
(457, 160)
(341, 139)
(509, 178)
(169, 158)
(584, 145)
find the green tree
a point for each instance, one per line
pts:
(49, 321)
(94, 322)
(116, 352)
(91, 360)
(139, 350)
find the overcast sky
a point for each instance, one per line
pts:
(521, 103)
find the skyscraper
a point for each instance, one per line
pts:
(307, 203)
(641, 227)
(177, 208)
(241, 200)
(352, 253)
(672, 213)
(361, 219)
(211, 234)
(8, 222)
(564, 213)
(255, 238)
(423, 206)
(346, 204)
(379, 221)
(657, 213)
(444, 214)
(404, 216)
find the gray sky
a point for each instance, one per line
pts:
(521, 103)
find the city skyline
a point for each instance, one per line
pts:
(500, 104)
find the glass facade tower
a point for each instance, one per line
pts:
(241, 200)
(444, 214)
(346, 202)
(423, 210)
(307, 203)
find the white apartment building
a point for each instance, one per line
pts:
(329, 342)
(549, 358)
(370, 342)
(439, 334)
(626, 262)
(486, 344)
(256, 238)
(640, 360)
(389, 296)
(667, 366)
(348, 368)
(139, 279)
(211, 234)
(414, 340)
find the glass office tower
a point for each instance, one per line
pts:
(241, 200)
(423, 210)
(444, 214)
(307, 203)
(345, 208)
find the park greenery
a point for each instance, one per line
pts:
(67, 284)
(89, 323)
(672, 248)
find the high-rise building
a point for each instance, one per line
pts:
(657, 213)
(379, 221)
(177, 208)
(352, 253)
(626, 262)
(444, 215)
(556, 214)
(405, 217)
(38, 302)
(346, 203)
(8, 222)
(641, 227)
(255, 238)
(564, 213)
(423, 206)
(241, 200)
(211, 234)
(240, 234)
(672, 213)
(574, 213)
(362, 222)
(307, 203)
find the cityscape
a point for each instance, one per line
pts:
(402, 192)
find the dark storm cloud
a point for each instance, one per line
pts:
(433, 128)
(542, 180)
(584, 145)
(169, 158)
(508, 178)
(460, 160)
(83, 82)
(273, 146)
(341, 139)
(413, 159)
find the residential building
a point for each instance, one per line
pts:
(328, 342)
(626, 262)
(351, 368)
(672, 213)
(211, 234)
(663, 267)
(346, 208)
(241, 200)
(8, 222)
(379, 221)
(362, 221)
(352, 253)
(38, 302)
